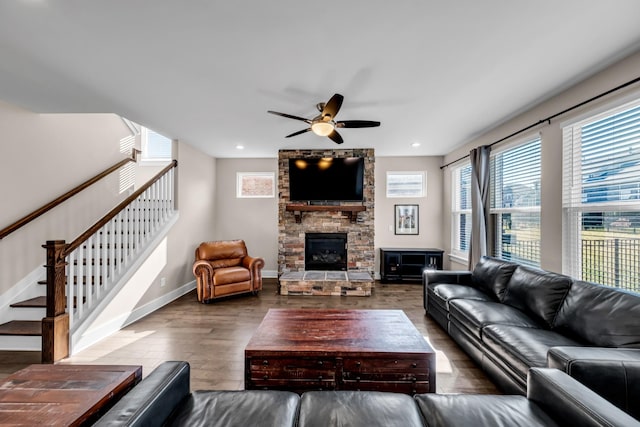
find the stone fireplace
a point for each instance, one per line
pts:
(325, 251)
(357, 227)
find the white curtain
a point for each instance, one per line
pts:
(478, 243)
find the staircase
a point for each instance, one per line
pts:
(83, 273)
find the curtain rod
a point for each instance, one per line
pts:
(548, 119)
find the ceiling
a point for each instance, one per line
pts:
(436, 73)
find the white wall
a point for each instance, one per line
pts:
(43, 156)
(551, 185)
(429, 207)
(253, 220)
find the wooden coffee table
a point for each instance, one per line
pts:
(311, 349)
(63, 395)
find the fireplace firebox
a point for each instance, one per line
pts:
(325, 251)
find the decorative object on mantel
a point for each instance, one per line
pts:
(324, 124)
(406, 219)
(350, 210)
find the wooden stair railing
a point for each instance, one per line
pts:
(55, 202)
(74, 284)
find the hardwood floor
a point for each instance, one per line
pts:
(212, 337)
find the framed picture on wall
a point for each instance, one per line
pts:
(406, 219)
(255, 184)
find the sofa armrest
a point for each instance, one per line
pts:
(569, 402)
(252, 263)
(443, 276)
(153, 400)
(202, 267)
(613, 373)
(255, 265)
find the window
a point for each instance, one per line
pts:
(406, 184)
(155, 147)
(601, 198)
(515, 202)
(461, 210)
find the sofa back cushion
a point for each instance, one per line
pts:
(228, 253)
(492, 276)
(537, 292)
(600, 315)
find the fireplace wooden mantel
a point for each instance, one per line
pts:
(350, 210)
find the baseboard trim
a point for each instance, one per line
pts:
(270, 274)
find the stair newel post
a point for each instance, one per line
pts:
(55, 326)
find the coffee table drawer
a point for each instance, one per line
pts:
(405, 365)
(402, 375)
(271, 371)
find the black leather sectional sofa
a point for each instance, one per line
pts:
(510, 318)
(554, 399)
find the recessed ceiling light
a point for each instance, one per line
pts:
(240, 147)
(415, 144)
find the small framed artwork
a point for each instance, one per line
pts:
(406, 219)
(255, 184)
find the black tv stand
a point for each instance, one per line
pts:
(398, 264)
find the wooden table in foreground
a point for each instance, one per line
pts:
(63, 395)
(318, 349)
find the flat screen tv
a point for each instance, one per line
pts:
(326, 179)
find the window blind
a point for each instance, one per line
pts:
(515, 202)
(461, 209)
(601, 197)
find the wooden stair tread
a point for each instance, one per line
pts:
(22, 327)
(33, 302)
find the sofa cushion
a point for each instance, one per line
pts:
(464, 410)
(442, 293)
(537, 292)
(521, 347)
(224, 253)
(223, 276)
(600, 315)
(492, 275)
(474, 315)
(357, 408)
(237, 408)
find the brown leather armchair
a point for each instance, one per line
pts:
(224, 268)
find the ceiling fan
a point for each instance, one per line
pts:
(324, 124)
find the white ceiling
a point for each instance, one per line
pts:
(206, 72)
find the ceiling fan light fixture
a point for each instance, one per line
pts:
(322, 128)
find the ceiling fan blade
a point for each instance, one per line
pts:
(335, 137)
(299, 132)
(332, 107)
(289, 116)
(357, 124)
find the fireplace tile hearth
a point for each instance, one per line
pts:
(328, 283)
